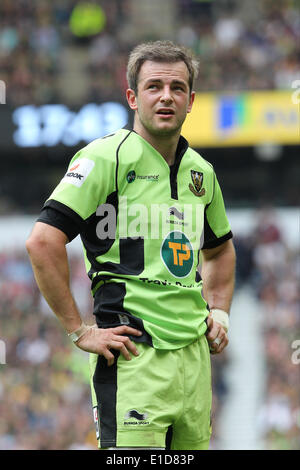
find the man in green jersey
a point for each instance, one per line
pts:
(158, 251)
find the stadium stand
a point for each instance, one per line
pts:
(37, 46)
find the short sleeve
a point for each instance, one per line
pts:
(59, 220)
(88, 181)
(216, 225)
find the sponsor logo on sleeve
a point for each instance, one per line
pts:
(79, 171)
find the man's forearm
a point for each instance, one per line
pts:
(46, 247)
(218, 274)
(51, 271)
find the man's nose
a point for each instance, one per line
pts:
(166, 96)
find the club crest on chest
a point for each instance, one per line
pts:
(196, 187)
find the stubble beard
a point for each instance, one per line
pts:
(157, 131)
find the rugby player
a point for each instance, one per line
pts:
(159, 253)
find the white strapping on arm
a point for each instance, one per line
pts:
(221, 317)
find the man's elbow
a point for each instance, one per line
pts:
(35, 244)
(46, 241)
(40, 239)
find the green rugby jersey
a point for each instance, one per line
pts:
(142, 226)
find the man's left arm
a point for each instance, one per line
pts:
(218, 274)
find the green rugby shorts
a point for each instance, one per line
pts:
(159, 393)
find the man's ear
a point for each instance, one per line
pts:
(131, 99)
(192, 98)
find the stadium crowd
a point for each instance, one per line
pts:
(272, 268)
(277, 273)
(237, 50)
(44, 386)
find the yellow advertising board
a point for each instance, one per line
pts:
(241, 119)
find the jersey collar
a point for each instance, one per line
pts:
(182, 147)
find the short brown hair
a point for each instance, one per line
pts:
(159, 51)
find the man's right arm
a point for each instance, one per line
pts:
(46, 247)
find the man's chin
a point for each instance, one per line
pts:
(165, 130)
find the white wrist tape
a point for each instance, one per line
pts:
(77, 334)
(221, 317)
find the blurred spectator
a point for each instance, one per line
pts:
(275, 277)
(44, 375)
(235, 53)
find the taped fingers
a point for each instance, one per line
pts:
(218, 344)
(217, 341)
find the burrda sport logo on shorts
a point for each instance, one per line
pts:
(177, 254)
(135, 418)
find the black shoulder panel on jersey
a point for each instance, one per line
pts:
(94, 246)
(58, 219)
(60, 207)
(213, 243)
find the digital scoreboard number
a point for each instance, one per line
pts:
(55, 124)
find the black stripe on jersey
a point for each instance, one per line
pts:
(105, 386)
(169, 436)
(57, 219)
(197, 275)
(117, 158)
(109, 310)
(213, 243)
(131, 259)
(210, 239)
(93, 245)
(66, 211)
(180, 151)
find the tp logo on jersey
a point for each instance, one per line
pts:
(78, 172)
(177, 254)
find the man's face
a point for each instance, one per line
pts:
(163, 98)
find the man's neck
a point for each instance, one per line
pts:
(165, 145)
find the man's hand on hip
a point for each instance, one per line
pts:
(101, 340)
(216, 336)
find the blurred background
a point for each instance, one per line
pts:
(62, 84)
